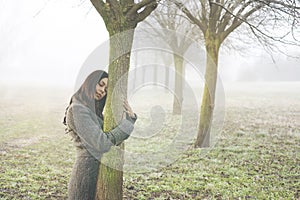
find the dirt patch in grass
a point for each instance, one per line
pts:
(17, 143)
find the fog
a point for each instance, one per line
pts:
(46, 43)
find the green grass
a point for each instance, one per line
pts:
(265, 169)
(257, 155)
(38, 171)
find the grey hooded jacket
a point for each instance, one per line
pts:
(91, 142)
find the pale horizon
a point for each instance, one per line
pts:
(47, 49)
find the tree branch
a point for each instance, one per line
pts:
(202, 26)
(214, 15)
(99, 5)
(252, 27)
(282, 4)
(138, 6)
(127, 2)
(126, 5)
(146, 12)
(238, 20)
(154, 29)
(177, 14)
(224, 21)
(114, 4)
(115, 8)
(203, 11)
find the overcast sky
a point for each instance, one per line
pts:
(46, 42)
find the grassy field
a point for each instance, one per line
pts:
(257, 155)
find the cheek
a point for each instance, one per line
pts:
(97, 88)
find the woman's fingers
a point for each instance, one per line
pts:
(128, 108)
(126, 105)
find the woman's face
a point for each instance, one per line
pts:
(101, 89)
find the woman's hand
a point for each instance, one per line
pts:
(128, 109)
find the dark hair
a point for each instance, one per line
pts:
(85, 94)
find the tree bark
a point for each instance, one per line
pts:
(110, 178)
(121, 19)
(178, 95)
(212, 44)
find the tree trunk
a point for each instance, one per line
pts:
(110, 178)
(178, 96)
(167, 77)
(143, 75)
(135, 71)
(212, 44)
(155, 75)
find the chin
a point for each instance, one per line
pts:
(98, 99)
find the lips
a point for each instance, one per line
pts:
(98, 96)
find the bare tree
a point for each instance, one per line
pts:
(217, 19)
(121, 18)
(168, 25)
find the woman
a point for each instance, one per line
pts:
(84, 121)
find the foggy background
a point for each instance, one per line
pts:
(46, 42)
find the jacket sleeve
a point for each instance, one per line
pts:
(85, 125)
(131, 119)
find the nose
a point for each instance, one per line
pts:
(102, 90)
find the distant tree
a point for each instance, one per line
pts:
(168, 26)
(217, 19)
(121, 18)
